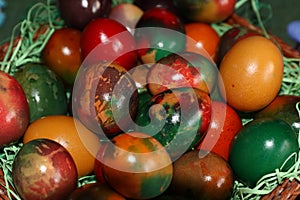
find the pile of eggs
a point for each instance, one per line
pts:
(155, 104)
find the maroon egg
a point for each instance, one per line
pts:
(44, 169)
(166, 4)
(77, 13)
(202, 175)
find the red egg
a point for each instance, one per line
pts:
(107, 40)
(14, 110)
(225, 124)
(44, 169)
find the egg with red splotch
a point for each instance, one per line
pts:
(184, 69)
(105, 98)
(44, 169)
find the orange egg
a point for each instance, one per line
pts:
(73, 136)
(202, 37)
(251, 73)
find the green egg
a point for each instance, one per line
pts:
(44, 91)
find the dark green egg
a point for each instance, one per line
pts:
(262, 146)
(44, 91)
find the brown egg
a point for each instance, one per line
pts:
(202, 175)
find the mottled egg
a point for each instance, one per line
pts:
(105, 98)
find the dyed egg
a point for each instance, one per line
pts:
(202, 175)
(229, 38)
(158, 33)
(185, 69)
(44, 169)
(262, 146)
(137, 166)
(283, 107)
(44, 91)
(147, 5)
(177, 118)
(208, 11)
(107, 40)
(202, 37)
(127, 14)
(62, 53)
(78, 13)
(105, 98)
(251, 80)
(81, 143)
(95, 191)
(14, 110)
(225, 124)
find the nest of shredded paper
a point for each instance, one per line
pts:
(30, 36)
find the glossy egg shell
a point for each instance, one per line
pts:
(62, 53)
(204, 37)
(14, 110)
(137, 166)
(81, 143)
(185, 69)
(260, 147)
(105, 98)
(202, 175)
(177, 118)
(78, 13)
(225, 124)
(107, 40)
(158, 33)
(229, 38)
(43, 169)
(207, 11)
(251, 73)
(44, 90)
